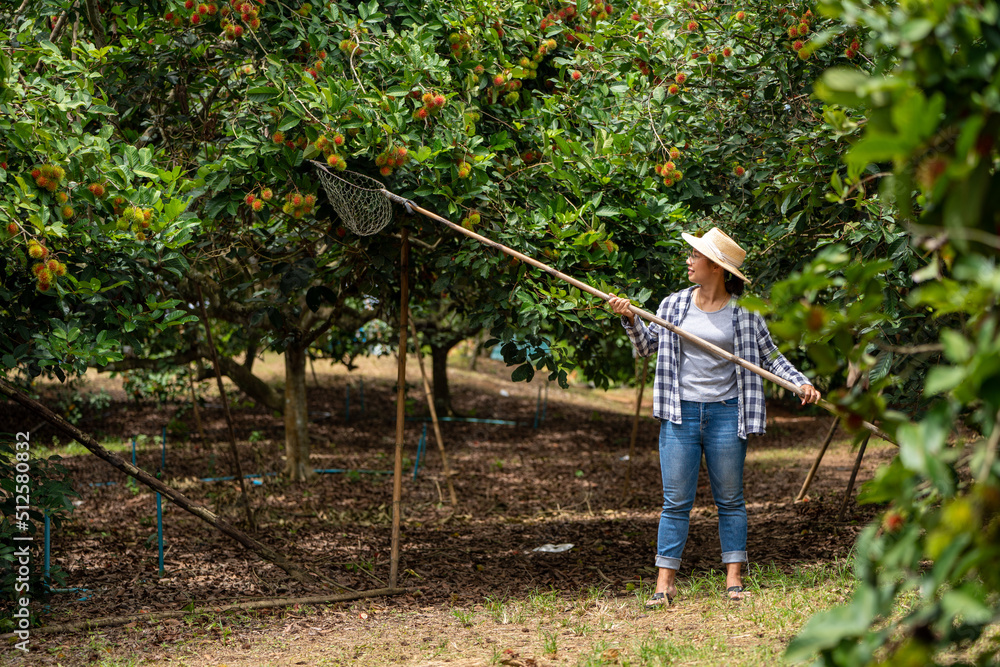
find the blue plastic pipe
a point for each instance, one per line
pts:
(471, 420)
(48, 550)
(133, 451)
(232, 477)
(538, 405)
(421, 444)
(159, 527)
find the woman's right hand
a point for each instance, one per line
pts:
(621, 306)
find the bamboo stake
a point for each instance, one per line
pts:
(397, 483)
(635, 426)
(854, 475)
(144, 477)
(819, 457)
(434, 418)
(196, 410)
(251, 524)
(704, 344)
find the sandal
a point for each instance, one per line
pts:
(734, 593)
(659, 600)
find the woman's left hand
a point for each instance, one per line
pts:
(809, 394)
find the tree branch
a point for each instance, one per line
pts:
(94, 19)
(251, 385)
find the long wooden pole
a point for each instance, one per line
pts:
(434, 417)
(704, 344)
(143, 477)
(397, 481)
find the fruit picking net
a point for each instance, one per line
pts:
(360, 201)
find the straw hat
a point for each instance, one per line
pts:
(721, 249)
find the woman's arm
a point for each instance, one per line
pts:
(774, 361)
(644, 338)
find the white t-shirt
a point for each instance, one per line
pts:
(704, 377)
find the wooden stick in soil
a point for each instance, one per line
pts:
(144, 477)
(854, 476)
(434, 418)
(819, 457)
(397, 480)
(113, 621)
(197, 412)
(635, 428)
(251, 524)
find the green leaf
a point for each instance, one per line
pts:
(262, 94)
(288, 123)
(840, 85)
(827, 629)
(523, 373)
(941, 379)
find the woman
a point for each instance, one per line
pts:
(707, 405)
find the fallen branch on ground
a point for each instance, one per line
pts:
(114, 621)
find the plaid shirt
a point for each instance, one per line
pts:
(752, 342)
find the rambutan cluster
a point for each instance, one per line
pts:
(668, 170)
(249, 13)
(97, 189)
(390, 158)
(553, 18)
(471, 220)
(46, 271)
(459, 42)
(800, 24)
(601, 11)
(530, 156)
(350, 48)
(48, 176)
(464, 169)
(328, 147)
(433, 102)
(852, 50)
(298, 205)
(254, 202)
(137, 219)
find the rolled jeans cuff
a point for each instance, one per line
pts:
(734, 557)
(668, 562)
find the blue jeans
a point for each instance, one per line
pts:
(712, 429)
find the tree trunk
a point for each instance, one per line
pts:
(297, 465)
(439, 373)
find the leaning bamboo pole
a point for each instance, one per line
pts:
(170, 493)
(433, 410)
(635, 425)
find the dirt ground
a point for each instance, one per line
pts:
(519, 487)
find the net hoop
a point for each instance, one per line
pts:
(359, 200)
